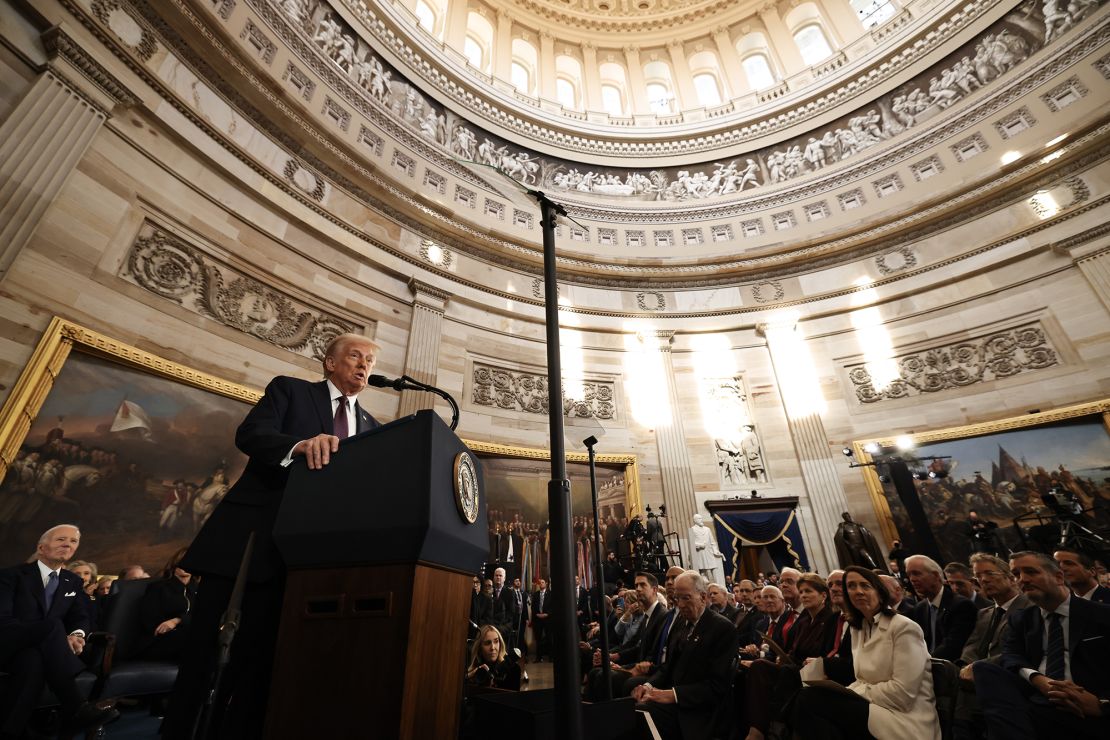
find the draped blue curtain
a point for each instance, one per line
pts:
(777, 530)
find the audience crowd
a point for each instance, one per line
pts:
(991, 648)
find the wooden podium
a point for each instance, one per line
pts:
(380, 564)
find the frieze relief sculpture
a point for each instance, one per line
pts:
(999, 355)
(516, 390)
(1001, 47)
(740, 460)
(170, 268)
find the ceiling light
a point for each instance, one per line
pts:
(871, 448)
(1055, 155)
(1057, 140)
(905, 442)
(1010, 156)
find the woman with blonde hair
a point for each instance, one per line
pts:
(88, 574)
(489, 664)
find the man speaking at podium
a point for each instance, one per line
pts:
(295, 418)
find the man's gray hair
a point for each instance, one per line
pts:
(797, 573)
(930, 564)
(892, 583)
(700, 582)
(997, 562)
(773, 589)
(499, 570)
(46, 535)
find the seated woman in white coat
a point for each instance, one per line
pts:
(892, 696)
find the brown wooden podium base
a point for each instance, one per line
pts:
(373, 651)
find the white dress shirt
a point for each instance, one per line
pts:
(44, 573)
(352, 421)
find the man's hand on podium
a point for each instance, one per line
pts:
(318, 450)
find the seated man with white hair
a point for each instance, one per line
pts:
(686, 692)
(44, 617)
(945, 617)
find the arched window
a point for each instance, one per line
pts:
(705, 69)
(479, 41)
(568, 82)
(758, 70)
(657, 79)
(426, 16)
(812, 44)
(523, 67)
(614, 89)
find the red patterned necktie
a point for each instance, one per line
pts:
(340, 426)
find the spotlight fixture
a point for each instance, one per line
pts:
(884, 478)
(871, 448)
(904, 442)
(848, 452)
(755, 494)
(920, 475)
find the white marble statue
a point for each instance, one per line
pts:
(704, 555)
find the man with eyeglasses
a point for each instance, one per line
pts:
(985, 642)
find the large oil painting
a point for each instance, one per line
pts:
(1006, 472)
(134, 449)
(516, 488)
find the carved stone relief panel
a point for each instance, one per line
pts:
(740, 462)
(171, 268)
(514, 389)
(992, 356)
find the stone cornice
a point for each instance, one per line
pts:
(60, 46)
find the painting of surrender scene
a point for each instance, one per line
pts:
(136, 460)
(516, 489)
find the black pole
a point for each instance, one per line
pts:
(568, 700)
(922, 533)
(606, 668)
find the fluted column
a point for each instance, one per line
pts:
(455, 32)
(684, 81)
(843, 19)
(781, 40)
(591, 79)
(503, 46)
(801, 393)
(1093, 260)
(670, 439)
(47, 134)
(730, 63)
(636, 84)
(422, 355)
(547, 66)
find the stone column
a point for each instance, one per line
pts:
(547, 66)
(843, 19)
(801, 394)
(591, 79)
(1093, 260)
(637, 87)
(683, 80)
(422, 355)
(47, 134)
(730, 63)
(781, 40)
(670, 439)
(503, 46)
(454, 35)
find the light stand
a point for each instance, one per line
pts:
(606, 668)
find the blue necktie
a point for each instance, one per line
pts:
(1054, 667)
(51, 589)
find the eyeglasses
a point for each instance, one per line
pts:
(990, 574)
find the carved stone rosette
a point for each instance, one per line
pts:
(166, 266)
(981, 359)
(518, 390)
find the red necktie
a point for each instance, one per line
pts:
(339, 427)
(790, 617)
(839, 634)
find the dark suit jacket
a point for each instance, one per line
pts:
(729, 612)
(583, 604)
(1088, 643)
(536, 603)
(955, 621)
(23, 601)
(505, 615)
(291, 410)
(1101, 595)
(643, 647)
(700, 670)
(811, 638)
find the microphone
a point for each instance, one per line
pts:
(380, 381)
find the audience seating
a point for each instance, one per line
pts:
(946, 688)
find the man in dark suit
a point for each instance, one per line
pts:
(1079, 574)
(44, 618)
(718, 602)
(541, 613)
(522, 599)
(505, 614)
(1051, 680)
(946, 618)
(638, 658)
(961, 580)
(748, 614)
(294, 418)
(687, 693)
(583, 606)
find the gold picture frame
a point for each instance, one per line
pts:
(1008, 424)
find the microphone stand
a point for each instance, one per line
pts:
(406, 383)
(603, 621)
(229, 625)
